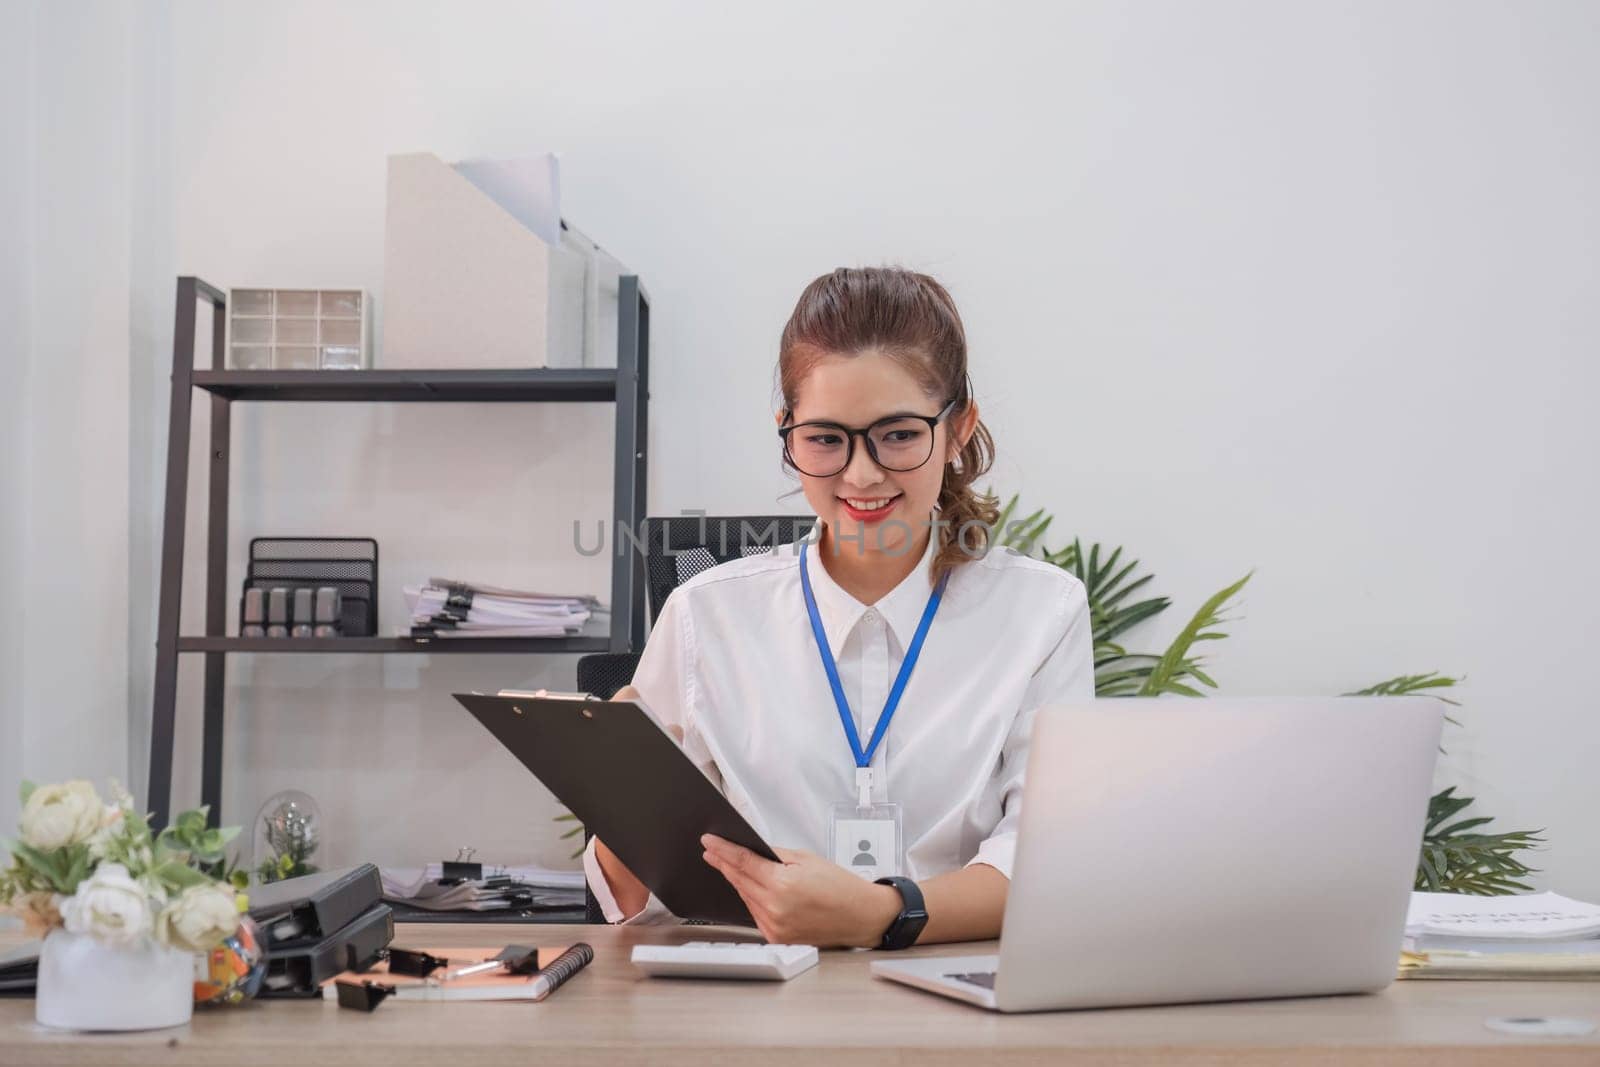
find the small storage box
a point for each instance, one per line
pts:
(299, 329)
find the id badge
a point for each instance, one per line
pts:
(867, 840)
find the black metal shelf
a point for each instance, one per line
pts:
(627, 386)
(570, 384)
(363, 645)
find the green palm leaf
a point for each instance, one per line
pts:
(1021, 534)
(1411, 685)
(1176, 665)
(1456, 860)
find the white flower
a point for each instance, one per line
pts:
(60, 815)
(109, 906)
(200, 919)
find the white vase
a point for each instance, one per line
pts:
(85, 985)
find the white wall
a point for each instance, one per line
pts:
(151, 276)
(16, 285)
(1300, 288)
(64, 700)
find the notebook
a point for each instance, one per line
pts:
(493, 986)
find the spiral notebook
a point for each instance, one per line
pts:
(493, 986)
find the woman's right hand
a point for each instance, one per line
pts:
(630, 894)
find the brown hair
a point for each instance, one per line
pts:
(911, 318)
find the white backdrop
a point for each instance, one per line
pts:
(1300, 288)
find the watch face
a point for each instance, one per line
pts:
(903, 933)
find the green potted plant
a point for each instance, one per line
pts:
(1456, 855)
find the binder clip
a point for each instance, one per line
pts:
(414, 964)
(461, 869)
(362, 996)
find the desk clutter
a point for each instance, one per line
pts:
(317, 925)
(331, 933)
(516, 972)
(448, 608)
(310, 587)
(327, 587)
(1535, 937)
(462, 885)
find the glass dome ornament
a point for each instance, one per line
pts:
(288, 834)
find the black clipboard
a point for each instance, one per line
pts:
(631, 785)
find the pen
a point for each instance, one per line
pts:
(471, 969)
(513, 959)
(565, 966)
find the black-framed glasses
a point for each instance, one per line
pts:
(897, 443)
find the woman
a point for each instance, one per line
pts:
(782, 673)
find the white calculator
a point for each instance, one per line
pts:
(725, 959)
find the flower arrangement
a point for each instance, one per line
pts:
(96, 868)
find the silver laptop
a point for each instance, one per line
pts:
(1189, 850)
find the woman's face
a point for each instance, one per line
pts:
(865, 507)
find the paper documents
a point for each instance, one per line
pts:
(448, 608)
(1535, 937)
(499, 888)
(1530, 917)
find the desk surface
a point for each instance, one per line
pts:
(834, 1014)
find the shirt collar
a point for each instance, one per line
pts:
(901, 607)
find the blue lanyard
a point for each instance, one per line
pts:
(864, 756)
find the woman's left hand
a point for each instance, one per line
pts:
(805, 900)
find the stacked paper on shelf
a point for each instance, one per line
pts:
(500, 887)
(445, 608)
(1534, 937)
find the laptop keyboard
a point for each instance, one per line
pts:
(980, 978)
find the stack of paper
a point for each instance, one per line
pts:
(1538, 937)
(1530, 917)
(499, 888)
(446, 608)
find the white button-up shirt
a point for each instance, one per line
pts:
(733, 662)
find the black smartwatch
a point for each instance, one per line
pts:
(903, 932)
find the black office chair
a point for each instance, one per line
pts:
(676, 549)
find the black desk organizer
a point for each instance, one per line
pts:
(348, 564)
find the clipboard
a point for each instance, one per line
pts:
(629, 783)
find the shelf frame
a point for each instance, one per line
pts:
(579, 645)
(570, 384)
(627, 387)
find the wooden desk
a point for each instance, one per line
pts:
(835, 1014)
